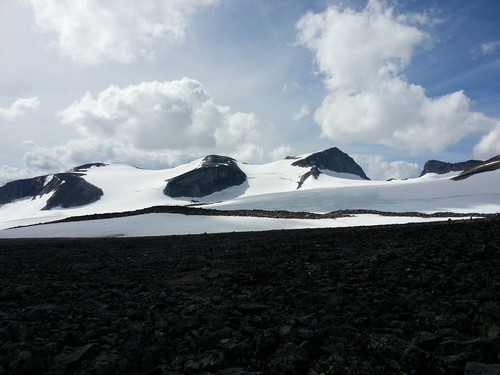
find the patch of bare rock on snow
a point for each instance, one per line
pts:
(407, 299)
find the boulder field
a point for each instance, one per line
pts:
(407, 299)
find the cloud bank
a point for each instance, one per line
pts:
(93, 31)
(152, 124)
(19, 108)
(489, 145)
(377, 168)
(362, 56)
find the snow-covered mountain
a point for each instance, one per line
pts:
(319, 182)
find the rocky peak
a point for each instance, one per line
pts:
(69, 190)
(333, 160)
(215, 173)
(29, 187)
(441, 167)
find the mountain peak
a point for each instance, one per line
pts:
(332, 159)
(441, 167)
(215, 173)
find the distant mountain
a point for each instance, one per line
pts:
(485, 166)
(441, 167)
(215, 173)
(66, 190)
(325, 180)
(334, 160)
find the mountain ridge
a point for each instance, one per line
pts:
(442, 167)
(299, 184)
(332, 159)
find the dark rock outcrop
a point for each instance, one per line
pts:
(314, 172)
(486, 166)
(29, 187)
(70, 190)
(216, 173)
(84, 167)
(333, 160)
(441, 167)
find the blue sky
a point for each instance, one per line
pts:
(159, 83)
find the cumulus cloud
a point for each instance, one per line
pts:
(152, 124)
(95, 31)
(377, 168)
(75, 152)
(19, 108)
(362, 55)
(281, 152)
(489, 145)
(8, 173)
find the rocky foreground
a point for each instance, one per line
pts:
(409, 299)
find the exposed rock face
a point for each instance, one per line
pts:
(314, 172)
(334, 160)
(486, 166)
(216, 173)
(70, 190)
(441, 167)
(19, 189)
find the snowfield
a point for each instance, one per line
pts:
(271, 186)
(176, 224)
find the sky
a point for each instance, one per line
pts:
(162, 82)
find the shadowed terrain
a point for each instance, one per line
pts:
(415, 299)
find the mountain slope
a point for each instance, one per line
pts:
(279, 185)
(64, 190)
(333, 160)
(215, 173)
(441, 167)
(486, 166)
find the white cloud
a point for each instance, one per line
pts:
(19, 108)
(152, 124)
(490, 47)
(376, 168)
(8, 174)
(162, 115)
(303, 112)
(94, 149)
(489, 145)
(95, 31)
(281, 152)
(362, 56)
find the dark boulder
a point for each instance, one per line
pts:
(486, 166)
(441, 167)
(333, 160)
(215, 173)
